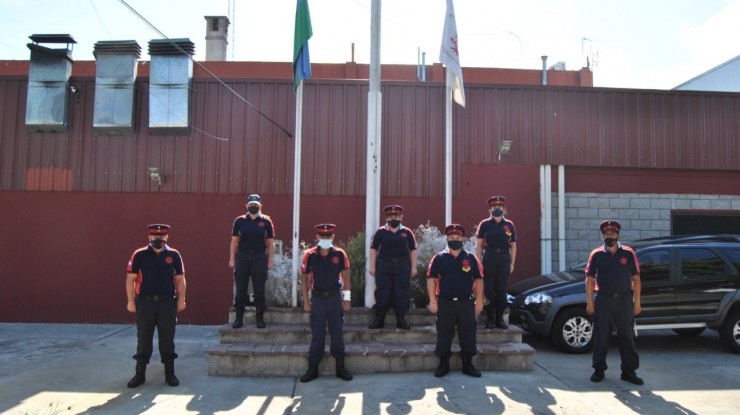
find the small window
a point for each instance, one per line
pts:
(700, 263)
(732, 253)
(214, 25)
(655, 265)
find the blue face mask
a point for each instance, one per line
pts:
(497, 212)
(325, 243)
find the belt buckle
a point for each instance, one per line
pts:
(455, 298)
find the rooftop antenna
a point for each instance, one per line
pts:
(591, 56)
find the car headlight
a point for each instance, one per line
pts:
(538, 298)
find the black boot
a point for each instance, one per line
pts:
(401, 322)
(490, 319)
(140, 376)
(239, 320)
(468, 368)
(169, 374)
(342, 372)
(443, 368)
(261, 319)
(500, 323)
(311, 374)
(379, 320)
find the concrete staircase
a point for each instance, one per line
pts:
(281, 348)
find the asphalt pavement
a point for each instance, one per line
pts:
(49, 369)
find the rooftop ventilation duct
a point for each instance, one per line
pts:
(48, 83)
(114, 86)
(170, 77)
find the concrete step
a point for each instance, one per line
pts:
(301, 334)
(357, 316)
(249, 359)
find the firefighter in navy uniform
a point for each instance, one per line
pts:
(325, 270)
(496, 246)
(393, 264)
(251, 254)
(455, 288)
(613, 272)
(155, 288)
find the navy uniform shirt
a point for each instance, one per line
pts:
(397, 244)
(455, 275)
(324, 271)
(156, 270)
(613, 273)
(253, 233)
(496, 235)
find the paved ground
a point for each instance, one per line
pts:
(77, 369)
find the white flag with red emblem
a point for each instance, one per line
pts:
(449, 54)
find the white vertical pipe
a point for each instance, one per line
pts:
(372, 186)
(548, 219)
(561, 217)
(543, 223)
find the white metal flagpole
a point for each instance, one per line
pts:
(372, 183)
(297, 188)
(448, 148)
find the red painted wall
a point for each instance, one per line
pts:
(87, 239)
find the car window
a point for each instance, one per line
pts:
(700, 263)
(733, 254)
(655, 265)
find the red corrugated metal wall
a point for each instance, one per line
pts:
(232, 149)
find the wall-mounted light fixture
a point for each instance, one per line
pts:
(504, 147)
(155, 175)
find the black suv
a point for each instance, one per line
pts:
(689, 283)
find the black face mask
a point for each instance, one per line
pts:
(455, 244)
(610, 242)
(394, 223)
(253, 209)
(158, 243)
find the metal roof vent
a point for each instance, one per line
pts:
(48, 83)
(170, 76)
(115, 76)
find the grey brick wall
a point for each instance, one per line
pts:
(641, 216)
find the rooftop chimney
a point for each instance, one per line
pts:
(217, 33)
(544, 70)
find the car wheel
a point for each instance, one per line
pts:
(690, 332)
(572, 331)
(730, 331)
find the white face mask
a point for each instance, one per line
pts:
(325, 243)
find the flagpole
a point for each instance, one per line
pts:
(372, 175)
(297, 188)
(448, 147)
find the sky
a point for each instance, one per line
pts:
(644, 44)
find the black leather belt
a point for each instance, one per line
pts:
(393, 258)
(159, 297)
(498, 250)
(252, 251)
(458, 299)
(616, 295)
(315, 293)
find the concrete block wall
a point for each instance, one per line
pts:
(641, 216)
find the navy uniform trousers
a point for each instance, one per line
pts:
(620, 312)
(452, 314)
(161, 315)
(326, 311)
(496, 267)
(392, 280)
(254, 266)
